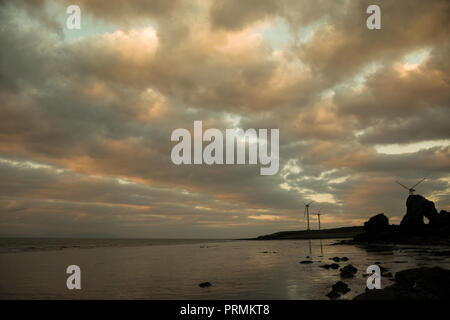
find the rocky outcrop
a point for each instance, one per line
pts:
(412, 228)
(414, 284)
(417, 208)
(378, 223)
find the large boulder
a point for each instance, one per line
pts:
(414, 284)
(378, 223)
(417, 208)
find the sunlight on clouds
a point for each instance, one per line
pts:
(266, 217)
(411, 147)
(322, 197)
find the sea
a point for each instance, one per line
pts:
(174, 268)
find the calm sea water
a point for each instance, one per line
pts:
(172, 269)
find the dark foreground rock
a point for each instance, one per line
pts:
(205, 284)
(337, 290)
(412, 229)
(348, 271)
(330, 266)
(414, 284)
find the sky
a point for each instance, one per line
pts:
(86, 115)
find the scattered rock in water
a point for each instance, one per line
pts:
(333, 295)
(338, 289)
(306, 262)
(330, 266)
(348, 271)
(335, 259)
(414, 284)
(400, 261)
(205, 284)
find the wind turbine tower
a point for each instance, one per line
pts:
(307, 213)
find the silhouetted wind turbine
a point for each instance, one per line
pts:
(411, 190)
(318, 217)
(307, 213)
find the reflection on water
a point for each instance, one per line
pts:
(236, 269)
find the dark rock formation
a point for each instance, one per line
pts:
(333, 295)
(337, 289)
(340, 287)
(348, 271)
(417, 208)
(205, 284)
(336, 259)
(330, 266)
(414, 284)
(412, 229)
(378, 223)
(306, 262)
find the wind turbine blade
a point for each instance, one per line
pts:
(402, 185)
(417, 183)
(310, 202)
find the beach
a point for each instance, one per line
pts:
(173, 269)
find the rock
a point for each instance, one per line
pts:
(348, 271)
(412, 229)
(205, 284)
(378, 223)
(337, 289)
(306, 262)
(340, 287)
(344, 259)
(387, 274)
(332, 266)
(382, 269)
(335, 259)
(333, 295)
(414, 284)
(417, 207)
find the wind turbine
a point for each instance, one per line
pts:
(318, 217)
(411, 190)
(307, 213)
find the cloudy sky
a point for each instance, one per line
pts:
(87, 115)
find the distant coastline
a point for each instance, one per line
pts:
(344, 232)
